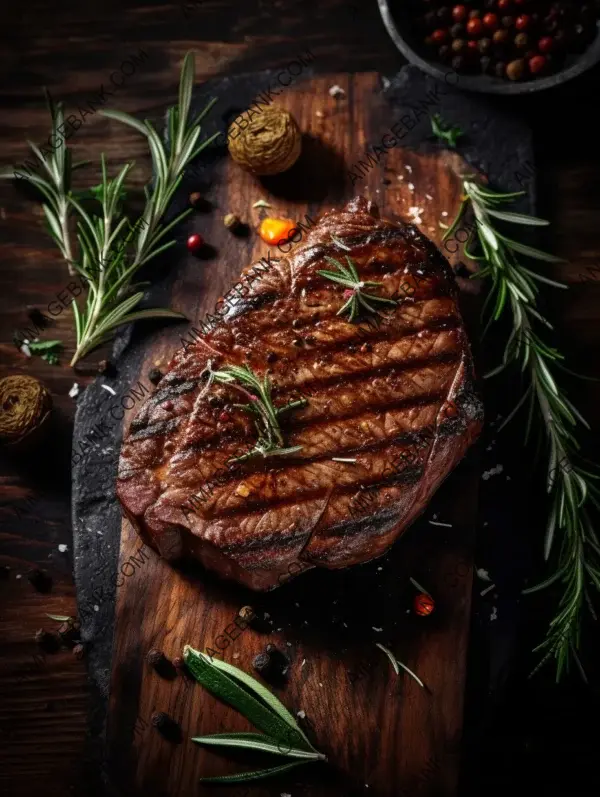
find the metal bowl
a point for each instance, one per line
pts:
(487, 83)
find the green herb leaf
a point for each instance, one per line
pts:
(444, 131)
(259, 774)
(264, 694)
(224, 687)
(570, 536)
(257, 741)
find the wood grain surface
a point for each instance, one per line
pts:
(73, 48)
(381, 733)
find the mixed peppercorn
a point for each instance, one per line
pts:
(512, 39)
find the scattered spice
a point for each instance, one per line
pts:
(195, 199)
(262, 663)
(423, 604)
(195, 243)
(271, 357)
(247, 614)
(276, 231)
(179, 663)
(106, 368)
(155, 658)
(155, 375)
(270, 144)
(26, 406)
(336, 91)
(261, 203)
(232, 222)
(74, 391)
(40, 580)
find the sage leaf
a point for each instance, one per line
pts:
(225, 688)
(264, 694)
(256, 741)
(256, 775)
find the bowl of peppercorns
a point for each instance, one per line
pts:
(498, 46)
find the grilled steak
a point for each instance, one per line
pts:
(392, 393)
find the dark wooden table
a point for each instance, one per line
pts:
(74, 49)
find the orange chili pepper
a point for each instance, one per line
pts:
(276, 231)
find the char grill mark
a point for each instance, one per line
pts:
(376, 391)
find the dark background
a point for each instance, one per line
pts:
(521, 735)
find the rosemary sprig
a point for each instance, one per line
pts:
(53, 181)
(355, 294)
(444, 131)
(281, 735)
(111, 301)
(396, 664)
(260, 405)
(570, 481)
(108, 255)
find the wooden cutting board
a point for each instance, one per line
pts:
(383, 734)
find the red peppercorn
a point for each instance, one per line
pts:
(503, 5)
(439, 36)
(546, 44)
(473, 46)
(522, 22)
(224, 416)
(475, 27)
(459, 13)
(424, 604)
(537, 64)
(195, 242)
(491, 21)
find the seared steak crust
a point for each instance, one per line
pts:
(394, 393)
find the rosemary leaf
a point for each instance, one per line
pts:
(60, 618)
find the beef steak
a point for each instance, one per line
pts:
(391, 393)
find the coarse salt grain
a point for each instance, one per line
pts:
(74, 391)
(411, 187)
(108, 389)
(62, 548)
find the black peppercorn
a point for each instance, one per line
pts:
(484, 46)
(458, 30)
(485, 64)
(508, 22)
(271, 357)
(459, 45)
(160, 719)
(297, 342)
(155, 657)
(179, 663)
(155, 375)
(247, 614)
(40, 580)
(458, 63)
(262, 663)
(296, 323)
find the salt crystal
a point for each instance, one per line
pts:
(18, 575)
(108, 389)
(301, 714)
(26, 350)
(379, 630)
(429, 197)
(411, 187)
(444, 213)
(337, 91)
(62, 548)
(96, 607)
(483, 574)
(408, 168)
(74, 391)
